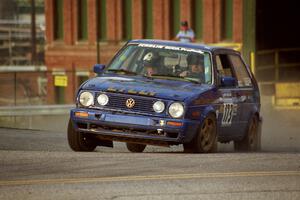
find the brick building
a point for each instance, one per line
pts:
(71, 31)
(73, 27)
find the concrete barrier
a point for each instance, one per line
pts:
(9, 111)
(287, 95)
(41, 117)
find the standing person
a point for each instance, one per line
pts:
(185, 34)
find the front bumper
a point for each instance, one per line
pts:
(133, 127)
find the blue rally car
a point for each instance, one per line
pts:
(166, 93)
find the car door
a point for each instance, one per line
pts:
(229, 111)
(245, 92)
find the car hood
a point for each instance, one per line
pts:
(159, 88)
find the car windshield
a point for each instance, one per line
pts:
(163, 62)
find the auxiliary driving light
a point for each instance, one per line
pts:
(103, 99)
(159, 106)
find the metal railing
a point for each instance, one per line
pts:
(29, 85)
(278, 73)
(35, 110)
(278, 65)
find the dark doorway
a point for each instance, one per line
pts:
(277, 24)
(277, 41)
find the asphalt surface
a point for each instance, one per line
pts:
(38, 164)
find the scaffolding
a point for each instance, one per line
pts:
(15, 43)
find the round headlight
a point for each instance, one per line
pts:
(102, 99)
(159, 106)
(176, 110)
(86, 99)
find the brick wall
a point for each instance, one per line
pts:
(71, 54)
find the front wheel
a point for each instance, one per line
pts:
(136, 148)
(79, 141)
(206, 139)
(252, 139)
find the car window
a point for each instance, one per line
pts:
(126, 59)
(242, 75)
(223, 65)
(164, 62)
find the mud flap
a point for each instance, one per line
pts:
(260, 121)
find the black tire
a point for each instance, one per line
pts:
(136, 148)
(79, 141)
(252, 139)
(206, 139)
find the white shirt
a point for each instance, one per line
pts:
(186, 36)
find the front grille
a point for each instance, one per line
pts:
(118, 101)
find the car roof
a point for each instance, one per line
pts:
(181, 44)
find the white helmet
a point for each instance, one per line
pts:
(148, 57)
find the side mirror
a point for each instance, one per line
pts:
(98, 68)
(228, 81)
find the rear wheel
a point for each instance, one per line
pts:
(206, 139)
(252, 139)
(79, 141)
(136, 148)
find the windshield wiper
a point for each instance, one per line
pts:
(191, 80)
(173, 76)
(166, 75)
(145, 76)
(122, 71)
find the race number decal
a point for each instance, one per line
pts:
(229, 110)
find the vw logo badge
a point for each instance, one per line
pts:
(130, 103)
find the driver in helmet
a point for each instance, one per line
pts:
(195, 64)
(149, 62)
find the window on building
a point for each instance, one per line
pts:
(101, 19)
(226, 19)
(58, 20)
(197, 18)
(148, 19)
(82, 76)
(59, 95)
(82, 20)
(127, 19)
(82, 79)
(60, 80)
(174, 17)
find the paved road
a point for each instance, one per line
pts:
(40, 165)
